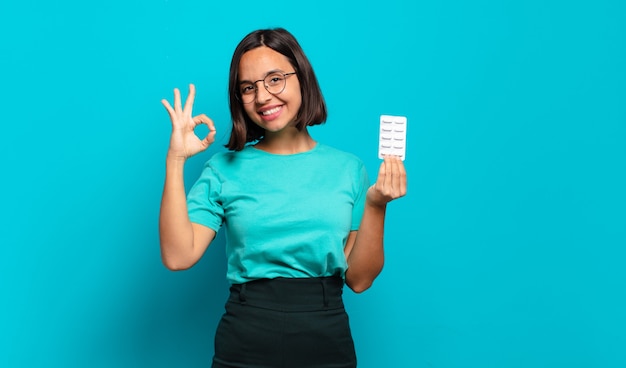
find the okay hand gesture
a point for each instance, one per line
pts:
(184, 142)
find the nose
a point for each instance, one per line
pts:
(262, 94)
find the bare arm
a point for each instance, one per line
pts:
(364, 248)
(182, 242)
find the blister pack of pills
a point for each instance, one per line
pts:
(392, 137)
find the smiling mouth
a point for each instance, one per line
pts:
(271, 111)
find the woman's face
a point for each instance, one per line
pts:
(272, 112)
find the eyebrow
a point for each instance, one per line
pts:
(266, 74)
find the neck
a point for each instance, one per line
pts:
(287, 142)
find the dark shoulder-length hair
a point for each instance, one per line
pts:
(313, 108)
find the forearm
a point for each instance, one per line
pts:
(366, 257)
(175, 229)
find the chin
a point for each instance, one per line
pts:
(275, 127)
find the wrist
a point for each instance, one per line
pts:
(174, 159)
(375, 200)
(376, 205)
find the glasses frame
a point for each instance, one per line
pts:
(256, 89)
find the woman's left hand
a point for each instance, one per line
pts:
(390, 184)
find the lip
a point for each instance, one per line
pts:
(273, 115)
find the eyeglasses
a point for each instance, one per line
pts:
(274, 83)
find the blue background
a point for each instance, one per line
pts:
(508, 250)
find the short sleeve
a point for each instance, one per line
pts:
(361, 185)
(203, 201)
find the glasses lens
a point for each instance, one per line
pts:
(247, 92)
(275, 83)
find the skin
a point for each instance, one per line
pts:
(183, 243)
(280, 132)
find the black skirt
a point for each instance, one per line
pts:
(285, 323)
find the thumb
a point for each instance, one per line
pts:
(210, 138)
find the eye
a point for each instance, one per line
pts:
(247, 89)
(274, 79)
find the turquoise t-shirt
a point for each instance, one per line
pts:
(284, 215)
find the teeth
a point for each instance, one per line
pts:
(271, 111)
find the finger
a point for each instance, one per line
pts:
(402, 177)
(168, 107)
(210, 138)
(395, 176)
(398, 177)
(203, 119)
(177, 103)
(190, 99)
(380, 180)
(388, 173)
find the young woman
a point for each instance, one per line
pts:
(300, 217)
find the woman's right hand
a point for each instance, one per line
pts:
(184, 142)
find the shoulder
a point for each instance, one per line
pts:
(343, 158)
(337, 153)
